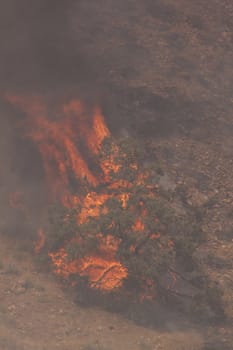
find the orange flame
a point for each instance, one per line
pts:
(57, 139)
(103, 274)
(65, 142)
(68, 143)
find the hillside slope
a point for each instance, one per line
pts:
(35, 313)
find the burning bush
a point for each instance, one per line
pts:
(112, 228)
(124, 233)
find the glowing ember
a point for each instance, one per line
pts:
(91, 204)
(58, 140)
(103, 274)
(138, 226)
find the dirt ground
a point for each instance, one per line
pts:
(37, 314)
(161, 70)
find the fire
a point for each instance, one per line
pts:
(57, 140)
(103, 274)
(138, 226)
(65, 142)
(91, 205)
(68, 142)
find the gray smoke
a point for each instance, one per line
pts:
(155, 67)
(37, 48)
(40, 54)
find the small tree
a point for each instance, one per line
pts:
(134, 223)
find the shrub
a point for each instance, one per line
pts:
(147, 237)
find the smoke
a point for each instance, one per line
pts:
(44, 50)
(38, 56)
(149, 65)
(37, 47)
(21, 177)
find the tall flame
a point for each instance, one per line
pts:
(67, 143)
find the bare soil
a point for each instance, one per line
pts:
(36, 313)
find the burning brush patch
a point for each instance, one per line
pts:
(109, 221)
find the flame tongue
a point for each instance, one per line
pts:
(58, 140)
(64, 143)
